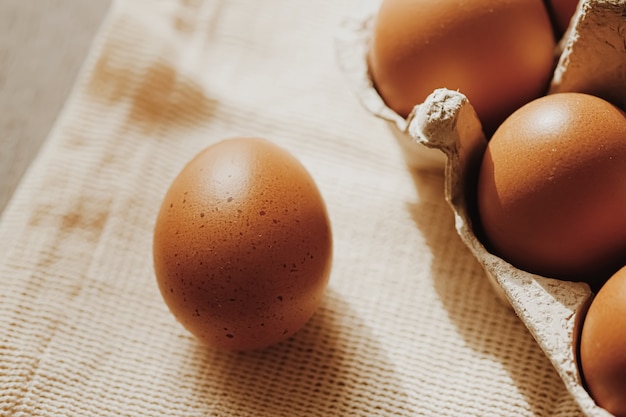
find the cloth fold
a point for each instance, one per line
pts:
(409, 326)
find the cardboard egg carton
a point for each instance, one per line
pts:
(444, 133)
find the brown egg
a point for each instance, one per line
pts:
(552, 188)
(500, 54)
(561, 12)
(603, 346)
(242, 245)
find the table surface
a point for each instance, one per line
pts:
(42, 47)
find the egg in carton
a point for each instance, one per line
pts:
(444, 134)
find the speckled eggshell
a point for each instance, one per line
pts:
(551, 195)
(242, 245)
(500, 54)
(603, 345)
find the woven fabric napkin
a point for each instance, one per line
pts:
(410, 326)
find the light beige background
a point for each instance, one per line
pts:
(42, 45)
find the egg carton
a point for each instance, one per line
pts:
(445, 134)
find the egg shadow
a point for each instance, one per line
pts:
(332, 366)
(473, 306)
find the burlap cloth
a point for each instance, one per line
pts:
(410, 325)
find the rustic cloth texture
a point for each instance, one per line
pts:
(410, 326)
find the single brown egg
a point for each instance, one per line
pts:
(500, 54)
(603, 346)
(552, 188)
(242, 245)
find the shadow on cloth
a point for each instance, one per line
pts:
(332, 366)
(482, 318)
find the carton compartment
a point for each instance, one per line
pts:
(444, 134)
